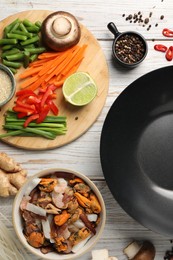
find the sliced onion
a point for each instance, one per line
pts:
(92, 217)
(81, 244)
(24, 202)
(79, 223)
(46, 228)
(35, 209)
(33, 183)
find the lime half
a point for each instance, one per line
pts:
(79, 89)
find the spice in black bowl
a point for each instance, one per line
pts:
(129, 48)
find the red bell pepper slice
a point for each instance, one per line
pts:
(43, 113)
(25, 92)
(27, 111)
(30, 119)
(53, 107)
(19, 103)
(45, 96)
(33, 100)
(21, 115)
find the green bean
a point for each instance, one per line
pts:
(32, 40)
(12, 64)
(34, 29)
(9, 27)
(14, 57)
(16, 36)
(7, 41)
(14, 71)
(23, 28)
(35, 50)
(27, 23)
(30, 46)
(15, 27)
(26, 59)
(10, 52)
(38, 24)
(27, 34)
(7, 47)
(33, 57)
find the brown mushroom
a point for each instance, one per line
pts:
(140, 251)
(60, 31)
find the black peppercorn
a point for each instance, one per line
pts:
(129, 48)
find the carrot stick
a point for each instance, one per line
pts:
(29, 72)
(28, 81)
(37, 83)
(77, 58)
(48, 55)
(52, 68)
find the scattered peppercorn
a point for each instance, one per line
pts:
(129, 48)
(146, 20)
(137, 17)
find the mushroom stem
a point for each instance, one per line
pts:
(132, 249)
(137, 251)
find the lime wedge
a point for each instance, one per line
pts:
(79, 89)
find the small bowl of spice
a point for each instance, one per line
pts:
(129, 48)
(7, 85)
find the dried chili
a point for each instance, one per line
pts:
(169, 53)
(160, 47)
(167, 32)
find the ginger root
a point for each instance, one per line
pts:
(12, 176)
(8, 164)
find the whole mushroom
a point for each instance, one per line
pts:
(140, 251)
(60, 31)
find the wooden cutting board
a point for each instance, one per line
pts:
(78, 119)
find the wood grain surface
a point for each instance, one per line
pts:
(83, 154)
(79, 119)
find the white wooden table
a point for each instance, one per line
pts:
(83, 154)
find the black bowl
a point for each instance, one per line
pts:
(131, 53)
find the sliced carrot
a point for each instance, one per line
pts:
(52, 68)
(29, 72)
(37, 83)
(48, 55)
(77, 58)
(28, 81)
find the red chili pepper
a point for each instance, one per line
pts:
(160, 47)
(167, 32)
(169, 53)
(30, 119)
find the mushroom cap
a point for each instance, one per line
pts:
(146, 252)
(60, 31)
